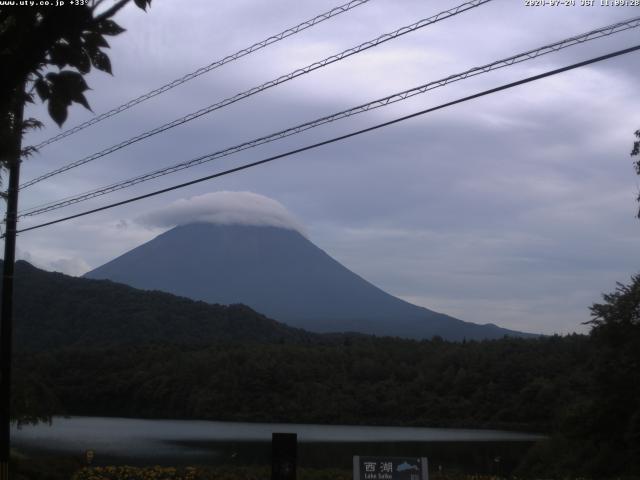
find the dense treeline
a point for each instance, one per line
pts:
(53, 310)
(509, 383)
(581, 390)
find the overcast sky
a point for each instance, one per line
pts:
(517, 208)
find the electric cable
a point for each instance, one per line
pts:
(396, 97)
(339, 138)
(202, 70)
(272, 83)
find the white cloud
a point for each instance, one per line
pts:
(23, 255)
(241, 208)
(71, 266)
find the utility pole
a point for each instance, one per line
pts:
(6, 314)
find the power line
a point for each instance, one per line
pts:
(272, 83)
(396, 97)
(212, 66)
(342, 137)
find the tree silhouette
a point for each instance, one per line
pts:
(44, 50)
(636, 152)
(47, 50)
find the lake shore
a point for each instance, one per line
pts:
(180, 443)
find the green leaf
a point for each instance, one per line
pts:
(81, 99)
(74, 84)
(101, 61)
(75, 55)
(66, 87)
(60, 55)
(109, 27)
(82, 61)
(61, 89)
(58, 111)
(42, 88)
(71, 81)
(142, 4)
(93, 40)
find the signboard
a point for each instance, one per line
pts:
(390, 468)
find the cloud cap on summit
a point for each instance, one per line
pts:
(223, 208)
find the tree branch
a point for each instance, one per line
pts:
(112, 11)
(96, 4)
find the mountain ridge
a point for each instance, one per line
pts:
(53, 310)
(280, 273)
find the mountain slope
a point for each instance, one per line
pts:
(280, 273)
(53, 310)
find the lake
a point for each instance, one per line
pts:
(183, 442)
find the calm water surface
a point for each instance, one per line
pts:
(136, 441)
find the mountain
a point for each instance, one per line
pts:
(53, 310)
(280, 273)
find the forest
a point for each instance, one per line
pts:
(510, 383)
(551, 385)
(230, 363)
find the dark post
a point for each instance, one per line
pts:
(6, 318)
(284, 456)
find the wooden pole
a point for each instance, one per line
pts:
(284, 456)
(6, 313)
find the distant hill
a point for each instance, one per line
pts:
(53, 310)
(280, 273)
